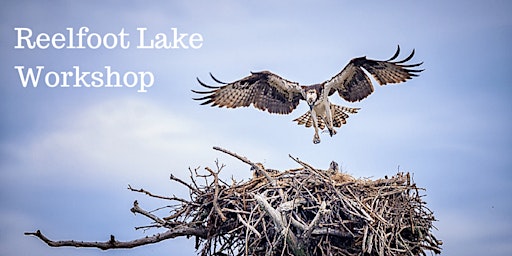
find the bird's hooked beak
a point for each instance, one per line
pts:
(311, 97)
(311, 102)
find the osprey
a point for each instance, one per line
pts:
(269, 92)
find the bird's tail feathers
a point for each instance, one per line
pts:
(340, 114)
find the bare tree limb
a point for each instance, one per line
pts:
(273, 213)
(112, 243)
(332, 232)
(279, 221)
(314, 222)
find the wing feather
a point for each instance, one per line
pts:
(264, 90)
(352, 83)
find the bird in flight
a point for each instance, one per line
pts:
(269, 92)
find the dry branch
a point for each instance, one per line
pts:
(304, 211)
(112, 243)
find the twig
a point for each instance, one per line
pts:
(244, 159)
(216, 194)
(137, 209)
(309, 167)
(241, 158)
(173, 198)
(255, 231)
(172, 177)
(257, 167)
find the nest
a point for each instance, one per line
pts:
(305, 211)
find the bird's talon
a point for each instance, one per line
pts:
(316, 139)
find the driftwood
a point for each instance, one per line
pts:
(303, 211)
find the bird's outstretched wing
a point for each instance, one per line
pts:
(265, 90)
(352, 83)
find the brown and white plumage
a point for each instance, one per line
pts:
(264, 90)
(269, 92)
(339, 117)
(352, 83)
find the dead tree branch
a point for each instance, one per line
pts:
(112, 243)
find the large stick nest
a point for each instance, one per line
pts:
(303, 211)
(307, 211)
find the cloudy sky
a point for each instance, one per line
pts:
(67, 155)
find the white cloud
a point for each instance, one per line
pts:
(129, 138)
(129, 141)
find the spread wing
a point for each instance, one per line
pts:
(352, 83)
(264, 90)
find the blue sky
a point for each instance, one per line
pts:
(68, 154)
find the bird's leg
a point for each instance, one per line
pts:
(316, 137)
(329, 115)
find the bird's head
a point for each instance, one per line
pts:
(334, 166)
(311, 97)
